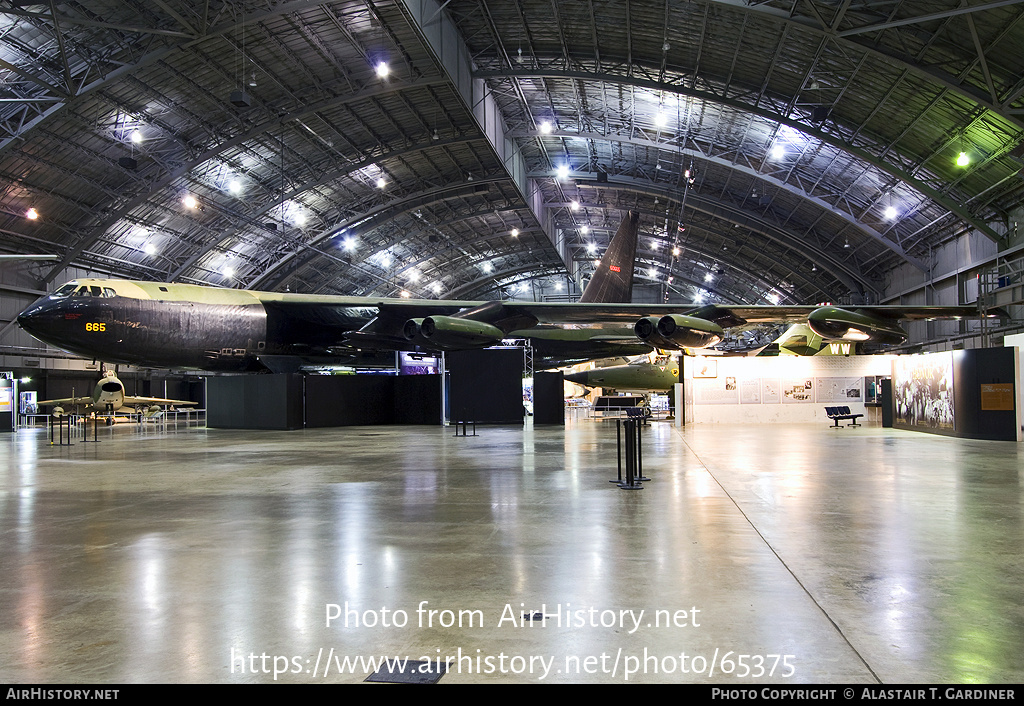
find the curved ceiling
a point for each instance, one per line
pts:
(778, 151)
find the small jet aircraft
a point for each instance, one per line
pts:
(640, 375)
(800, 339)
(108, 397)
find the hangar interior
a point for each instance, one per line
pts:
(779, 152)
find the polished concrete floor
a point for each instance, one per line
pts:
(758, 554)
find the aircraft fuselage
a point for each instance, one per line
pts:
(190, 334)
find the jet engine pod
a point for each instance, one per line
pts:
(646, 327)
(411, 329)
(689, 331)
(831, 322)
(455, 333)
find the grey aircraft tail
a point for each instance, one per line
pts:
(612, 282)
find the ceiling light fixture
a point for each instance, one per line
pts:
(962, 159)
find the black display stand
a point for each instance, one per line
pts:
(549, 398)
(886, 401)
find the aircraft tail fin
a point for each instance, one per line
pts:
(612, 283)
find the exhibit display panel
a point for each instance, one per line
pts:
(970, 393)
(785, 389)
(6, 404)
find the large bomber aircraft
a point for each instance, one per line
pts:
(168, 325)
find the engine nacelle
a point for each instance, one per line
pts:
(646, 329)
(689, 331)
(678, 331)
(411, 329)
(833, 323)
(452, 333)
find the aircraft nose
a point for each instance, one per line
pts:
(578, 378)
(46, 320)
(34, 318)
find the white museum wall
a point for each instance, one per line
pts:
(761, 390)
(1017, 340)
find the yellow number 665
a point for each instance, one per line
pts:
(95, 327)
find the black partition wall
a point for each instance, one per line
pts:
(486, 386)
(294, 401)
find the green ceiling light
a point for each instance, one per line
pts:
(962, 159)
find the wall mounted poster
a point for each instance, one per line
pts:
(706, 368)
(839, 390)
(716, 391)
(750, 391)
(797, 390)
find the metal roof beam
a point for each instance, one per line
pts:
(892, 170)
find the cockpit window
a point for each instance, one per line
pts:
(108, 292)
(83, 291)
(66, 290)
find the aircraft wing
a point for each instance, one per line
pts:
(66, 402)
(133, 401)
(726, 315)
